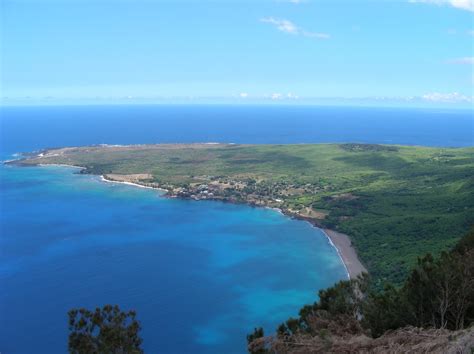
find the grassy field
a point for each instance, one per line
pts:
(395, 202)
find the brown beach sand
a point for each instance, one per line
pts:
(347, 252)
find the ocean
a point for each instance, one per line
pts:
(200, 274)
(27, 128)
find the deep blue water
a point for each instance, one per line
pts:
(200, 274)
(26, 128)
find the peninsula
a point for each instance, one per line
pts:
(394, 202)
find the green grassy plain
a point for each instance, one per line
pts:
(395, 202)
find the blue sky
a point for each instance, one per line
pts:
(408, 52)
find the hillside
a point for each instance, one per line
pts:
(395, 202)
(400, 341)
(432, 312)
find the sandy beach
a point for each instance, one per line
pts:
(108, 179)
(348, 254)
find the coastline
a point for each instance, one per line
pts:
(341, 242)
(60, 165)
(104, 178)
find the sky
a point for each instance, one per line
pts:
(407, 52)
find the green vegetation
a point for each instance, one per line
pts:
(395, 202)
(105, 330)
(438, 293)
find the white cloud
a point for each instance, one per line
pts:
(289, 27)
(459, 4)
(276, 96)
(243, 95)
(463, 4)
(282, 25)
(465, 60)
(291, 96)
(453, 97)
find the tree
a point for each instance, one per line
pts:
(105, 330)
(256, 342)
(441, 292)
(384, 310)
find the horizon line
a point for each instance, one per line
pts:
(386, 105)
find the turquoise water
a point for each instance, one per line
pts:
(201, 275)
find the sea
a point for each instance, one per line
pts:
(201, 275)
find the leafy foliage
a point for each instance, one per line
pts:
(105, 330)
